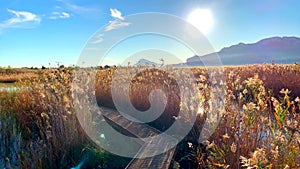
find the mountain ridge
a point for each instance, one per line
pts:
(283, 50)
(144, 62)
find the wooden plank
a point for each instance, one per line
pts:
(161, 161)
(140, 130)
(163, 145)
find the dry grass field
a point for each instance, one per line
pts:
(260, 125)
(10, 75)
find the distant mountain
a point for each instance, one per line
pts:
(282, 50)
(144, 62)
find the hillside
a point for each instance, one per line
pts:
(281, 50)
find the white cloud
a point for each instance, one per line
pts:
(116, 24)
(65, 14)
(59, 15)
(116, 14)
(21, 19)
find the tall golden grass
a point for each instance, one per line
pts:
(39, 127)
(259, 128)
(260, 125)
(9, 75)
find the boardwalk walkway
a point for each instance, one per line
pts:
(150, 146)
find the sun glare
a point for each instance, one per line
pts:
(202, 19)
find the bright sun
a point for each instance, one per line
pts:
(201, 19)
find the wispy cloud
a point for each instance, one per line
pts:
(116, 24)
(59, 15)
(21, 19)
(116, 14)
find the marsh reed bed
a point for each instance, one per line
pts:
(39, 127)
(260, 125)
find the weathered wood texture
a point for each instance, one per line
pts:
(163, 145)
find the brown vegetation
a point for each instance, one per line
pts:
(262, 97)
(259, 127)
(10, 75)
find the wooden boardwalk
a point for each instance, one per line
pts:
(163, 145)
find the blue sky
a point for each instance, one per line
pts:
(35, 32)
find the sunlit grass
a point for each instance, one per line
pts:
(259, 129)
